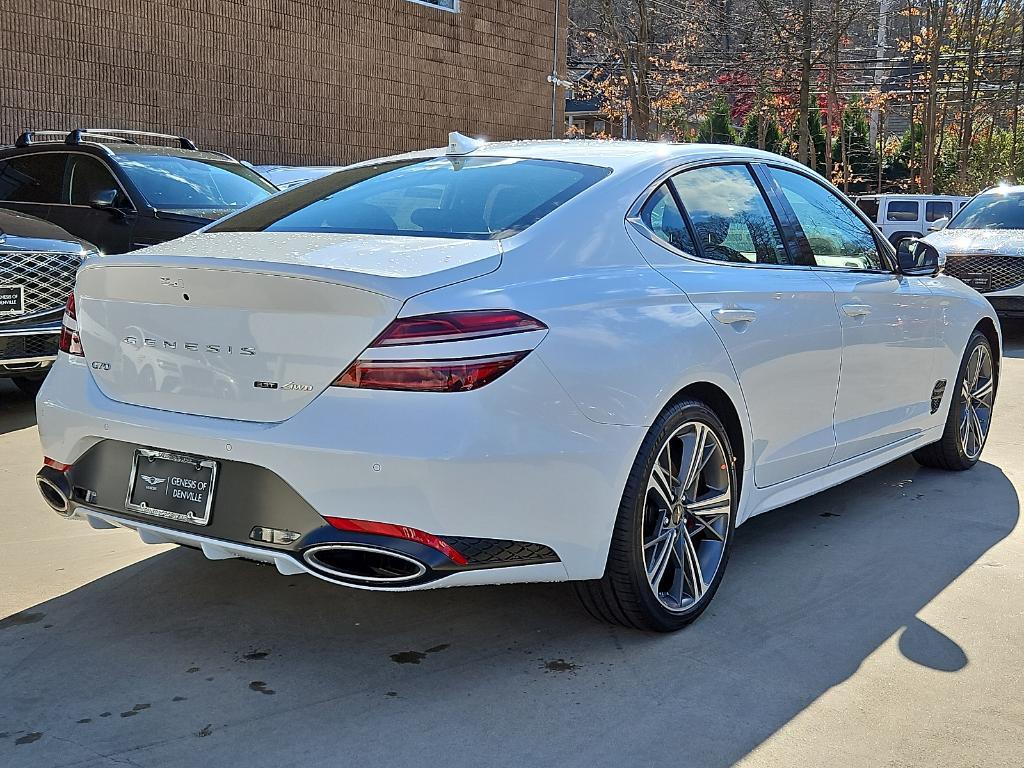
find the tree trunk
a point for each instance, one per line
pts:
(805, 149)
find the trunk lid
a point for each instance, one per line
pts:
(251, 326)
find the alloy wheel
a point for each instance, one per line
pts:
(686, 515)
(976, 397)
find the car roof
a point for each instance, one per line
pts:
(609, 153)
(114, 149)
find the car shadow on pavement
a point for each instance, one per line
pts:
(177, 656)
(1013, 337)
(17, 410)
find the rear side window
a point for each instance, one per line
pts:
(902, 210)
(938, 209)
(661, 215)
(32, 178)
(729, 214)
(461, 197)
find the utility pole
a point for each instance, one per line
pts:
(881, 39)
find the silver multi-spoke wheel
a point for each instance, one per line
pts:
(977, 395)
(686, 515)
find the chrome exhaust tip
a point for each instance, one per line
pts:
(55, 490)
(366, 564)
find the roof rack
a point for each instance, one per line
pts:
(183, 142)
(78, 135)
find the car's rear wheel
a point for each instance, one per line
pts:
(970, 411)
(675, 525)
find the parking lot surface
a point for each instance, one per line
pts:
(879, 623)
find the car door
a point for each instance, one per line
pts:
(889, 320)
(711, 232)
(86, 179)
(31, 183)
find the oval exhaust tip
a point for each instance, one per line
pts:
(370, 565)
(55, 498)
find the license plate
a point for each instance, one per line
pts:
(172, 486)
(979, 281)
(12, 299)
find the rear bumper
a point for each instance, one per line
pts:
(514, 462)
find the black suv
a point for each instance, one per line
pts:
(111, 188)
(38, 261)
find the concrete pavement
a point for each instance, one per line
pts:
(877, 624)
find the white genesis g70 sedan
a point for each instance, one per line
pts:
(511, 362)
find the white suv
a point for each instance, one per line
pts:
(903, 216)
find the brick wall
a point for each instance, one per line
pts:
(281, 81)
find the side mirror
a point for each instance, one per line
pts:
(916, 257)
(939, 224)
(104, 200)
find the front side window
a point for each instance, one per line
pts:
(661, 215)
(470, 198)
(836, 235)
(998, 209)
(33, 178)
(902, 210)
(172, 182)
(87, 177)
(938, 209)
(730, 217)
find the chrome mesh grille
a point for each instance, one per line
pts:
(1004, 271)
(48, 278)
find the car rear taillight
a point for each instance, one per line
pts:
(458, 374)
(60, 466)
(69, 340)
(456, 326)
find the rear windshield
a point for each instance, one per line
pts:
(476, 198)
(992, 210)
(169, 182)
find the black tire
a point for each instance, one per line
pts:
(949, 452)
(624, 595)
(29, 385)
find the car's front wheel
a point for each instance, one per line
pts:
(675, 525)
(970, 411)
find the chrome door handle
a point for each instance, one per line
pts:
(729, 316)
(856, 310)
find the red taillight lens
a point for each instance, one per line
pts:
(428, 375)
(70, 343)
(398, 532)
(456, 326)
(453, 374)
(69, 340)
(59, 466)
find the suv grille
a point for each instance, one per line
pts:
(986, 271)
(48, 278)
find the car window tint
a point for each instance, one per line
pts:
(730, 217)
(902, 210)
(938, 209)
(476, 198)
(836, 235)
(33, 178)
(662, 217)
(86, 177)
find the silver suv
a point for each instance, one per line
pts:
(984, 246)
(38, 262)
